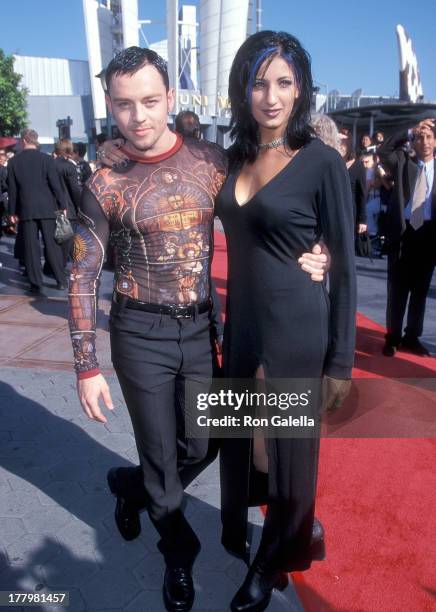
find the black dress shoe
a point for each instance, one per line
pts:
(256, 590)
(413, 345)
(61, 286)
(126, 512)
(178, 589)
(389, 349)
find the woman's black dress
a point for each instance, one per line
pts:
(278, 318)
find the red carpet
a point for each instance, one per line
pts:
(375, 499)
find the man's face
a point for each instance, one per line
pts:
(140, 105)
(424, 143)
(3, 157)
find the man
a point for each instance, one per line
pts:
(35, 194)
(187, 123)
(83, 168)
(160, 333)
(411, 233)
(158, 211)
(3, 189)
(67, 170)
(68, 175)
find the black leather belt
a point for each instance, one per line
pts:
(175, 311)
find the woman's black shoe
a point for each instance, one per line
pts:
(178, 589)
(255, 592)
(317, 545)
(126, 512)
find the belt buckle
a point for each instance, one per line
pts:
(180, 312)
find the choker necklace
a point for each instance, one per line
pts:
(273, 144)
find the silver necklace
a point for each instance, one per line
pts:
(273, 144)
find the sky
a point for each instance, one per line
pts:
(352, 43)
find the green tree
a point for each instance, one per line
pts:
(13, 103)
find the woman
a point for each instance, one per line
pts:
(285, 190)
(357, 174)
(326, 130)
(378, 188)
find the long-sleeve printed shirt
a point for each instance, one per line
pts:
(157, 213)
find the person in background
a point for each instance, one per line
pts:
(378, 139)
(357, 174)
(3, 189)
(34, 195)
(378, 188)
(327, 131)
(366, 145)
(187, 123)
(411, 234)
(67, 170)
(68, 174)
(84, 170)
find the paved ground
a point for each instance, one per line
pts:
(56, 515)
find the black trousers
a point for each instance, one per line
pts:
(154, 357)
(411, 263)
(32, 250)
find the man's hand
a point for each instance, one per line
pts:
(316, 263)
(334, 392)
(362, 227)
(110, 155)
(89, 391)
(425, 124)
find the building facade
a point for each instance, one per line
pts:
(59, 93)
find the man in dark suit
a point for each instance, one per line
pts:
(411, 233)
(83, 168)
(67, 170)
(3, 187)
(35, 194)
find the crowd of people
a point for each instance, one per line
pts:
(292, 207)
(394, 200)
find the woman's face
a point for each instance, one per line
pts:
(274, 94)
(366, 141)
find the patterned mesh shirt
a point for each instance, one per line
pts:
(157, 213)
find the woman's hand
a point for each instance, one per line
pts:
(362, 227)
(316, 263)
(109, 153)
(334, 392)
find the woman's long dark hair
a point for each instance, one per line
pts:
(258, 48)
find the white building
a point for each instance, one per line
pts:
(110, 26)
(57, 89)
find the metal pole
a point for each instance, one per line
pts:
(354, 132)
(258, 15)
(173, 48)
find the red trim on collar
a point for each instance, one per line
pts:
(156, 158)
